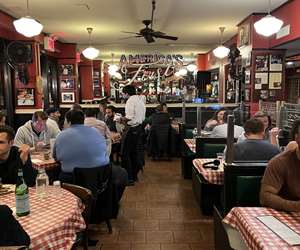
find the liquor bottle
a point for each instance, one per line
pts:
(22, 196)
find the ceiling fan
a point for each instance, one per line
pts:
(148, 33)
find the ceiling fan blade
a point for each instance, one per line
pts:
(128, 32)
(124, 38)
(174, 38)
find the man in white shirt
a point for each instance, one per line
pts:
(132, 145)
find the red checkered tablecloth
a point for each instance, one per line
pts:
(38, 161)
(191, 144)
(53, 220)
(212, 176)
(255, 234)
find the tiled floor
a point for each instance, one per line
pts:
(158, 213)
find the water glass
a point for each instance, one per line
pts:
(56, 188)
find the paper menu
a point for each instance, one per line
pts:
(281, 229)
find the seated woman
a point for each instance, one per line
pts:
(216, 120)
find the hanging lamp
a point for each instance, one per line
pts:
(27, 26)
(90, 52)
(268, 25)
(221, 51)
(113, 68)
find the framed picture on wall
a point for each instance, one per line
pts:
(67, 69)
(244, 35)
(261, 63)
(67, 97)
(25, 97)
(67, 83)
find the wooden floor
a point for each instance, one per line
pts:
(158, 213)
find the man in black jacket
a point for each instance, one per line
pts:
(12, 158)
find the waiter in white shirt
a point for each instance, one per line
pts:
(131, 150)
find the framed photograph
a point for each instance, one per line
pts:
(25, 97)
(275, 63)
(67, 69)
(244, 35)
(261, 63)
(67, 83)
(247, 95)
(275, 81)
(67, 97)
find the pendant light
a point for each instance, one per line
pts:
(27, 26)
(90, 52)
(112, 68)
(221, 51)
(192, 67)
(268, 25)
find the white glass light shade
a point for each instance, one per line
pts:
(118, 76)
(221, 51)
(191, 67)
(177, 74)
(268, 25)
(113, 67)
(27, 26)
(90, 53)
(182, 72)
(112, 72)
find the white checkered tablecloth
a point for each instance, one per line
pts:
(191, 144)
(255, 234)
(53, 220)
(38, 161)
(212, 176)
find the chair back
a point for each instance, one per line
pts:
(207, 147)
(99, 181)
(85, 195)
(242, 184)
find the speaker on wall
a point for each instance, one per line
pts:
(203, 78)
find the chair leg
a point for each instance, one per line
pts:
(109, 226)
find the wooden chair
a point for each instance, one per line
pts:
(85, 196)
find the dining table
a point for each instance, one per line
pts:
(246, 231)
(38, 161)
(54, 218)
(191, 143)
(210, 175)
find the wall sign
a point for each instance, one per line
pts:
(175, 60)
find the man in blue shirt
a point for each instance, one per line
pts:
(254, 148)
(79, 146)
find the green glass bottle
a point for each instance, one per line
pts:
(22, 196)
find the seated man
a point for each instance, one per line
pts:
(254, 148)
(83, 147)
(12, 158)
(53, 117)
(79, 146)
(221, 130)
(280, 185)
(37, 132)
(91, 121)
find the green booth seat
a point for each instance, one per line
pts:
(247, 191)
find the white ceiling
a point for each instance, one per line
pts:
(195, 22)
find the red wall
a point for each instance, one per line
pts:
(289, 14)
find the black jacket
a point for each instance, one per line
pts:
(11, 232)
(9, 169)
